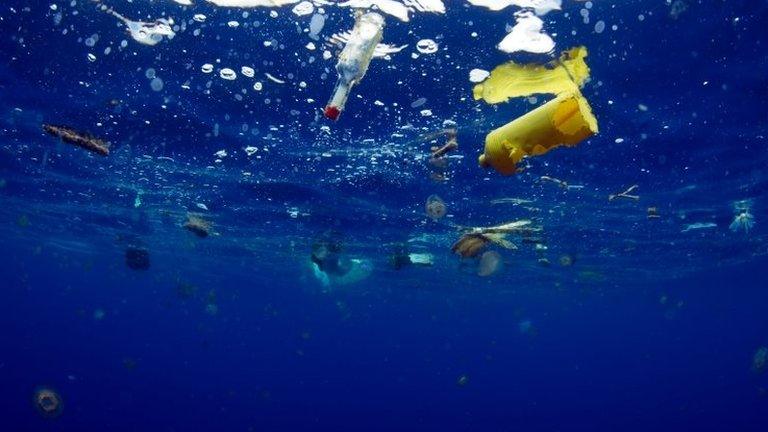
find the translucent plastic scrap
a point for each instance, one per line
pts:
(354, 59)
(510, 80)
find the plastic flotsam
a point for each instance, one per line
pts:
(354, 59)
(566, 120)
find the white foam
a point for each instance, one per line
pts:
(541, 7)
(252, 3)
(389, 7)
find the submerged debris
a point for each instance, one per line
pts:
(565, 120)
(462, 380)
(48, 402)
(743, 219)
(80, 139)
(137, 258)
(653, 213)
(197, 225)
(760, 360)
(476, 239)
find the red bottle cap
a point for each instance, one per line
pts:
(332, 112)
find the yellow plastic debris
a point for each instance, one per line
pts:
(515, 80)
(563, 121)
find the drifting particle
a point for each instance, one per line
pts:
(212, 309)
(199, 18)
(257, 86)
(625, 194)
(91, 58)
(462, 380)
(418, 102)
(760, 360)
(527, 328)
(48, 402)
(653, 213)
(137, 258)
(566, 260)
(490, 263)
(435, 207)
(79, 139)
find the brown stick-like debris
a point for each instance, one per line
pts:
(79, 139)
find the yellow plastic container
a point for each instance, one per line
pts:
(563, 121)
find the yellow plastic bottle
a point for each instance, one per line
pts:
(563, 121)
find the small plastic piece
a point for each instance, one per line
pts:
(563, 121)
(354, 59)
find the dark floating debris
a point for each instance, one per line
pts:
(80, 139)
(137, 258)
(48, 402)
(197, 225)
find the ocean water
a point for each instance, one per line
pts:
(625, 314)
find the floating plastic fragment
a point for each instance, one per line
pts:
(354, 60)
(147, 33)
(514, 80)
(563, 121)
(381, 51)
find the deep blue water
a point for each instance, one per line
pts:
(653, 327)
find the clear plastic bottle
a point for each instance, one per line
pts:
(354, 59)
